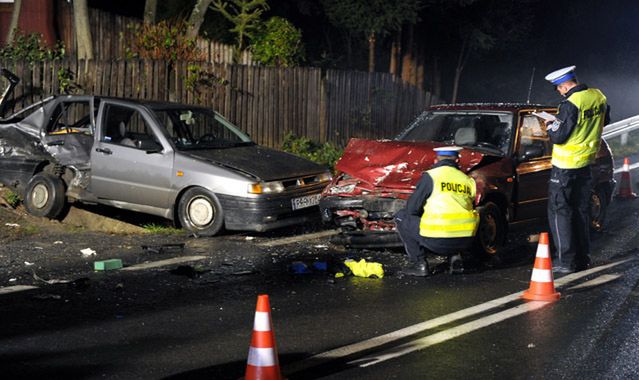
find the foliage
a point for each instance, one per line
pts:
(31, 48)
(244, 15)
(166, 40)
(631, 147)
(278, 43)
(156, 228)
(325, 154)
(12, 198)
(371, 16)
(66, 81)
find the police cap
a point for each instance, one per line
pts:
(452, 151)
(560, 76)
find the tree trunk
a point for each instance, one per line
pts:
(371, 52)
(436, 89)
(150, 11)
(408, 58)
(395, 53)
(458, 70)
(197, 17)
(15, 17)
(82, 29)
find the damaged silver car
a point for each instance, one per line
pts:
(184, 163)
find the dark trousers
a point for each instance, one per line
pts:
(417, 246)
(569, 215)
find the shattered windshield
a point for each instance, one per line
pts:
(195, 128)
(490, 130)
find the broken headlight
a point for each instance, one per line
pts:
(266, 187)
(344, 189)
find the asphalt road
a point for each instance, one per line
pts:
(194, 319)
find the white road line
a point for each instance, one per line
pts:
(449, 334)
(295, 239)
(16, 288)
(603, 279)
(163, 263)
(377, 341)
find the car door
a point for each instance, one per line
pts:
(131, 161)
(533, 152)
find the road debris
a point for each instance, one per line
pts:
(51, 281)
(88, 252)
(110, 264)
(28, 263)
(189, 271)
(363, 268)
(58, 242)
(164, 248)
(12, 224)
(47, 296)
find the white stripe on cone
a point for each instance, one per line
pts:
(262, 321)
(542, 251)
(541, 275)
(625, 167)
(261, 357)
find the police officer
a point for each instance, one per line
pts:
(576, 137)
(440, 215)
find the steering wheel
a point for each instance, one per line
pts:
(487, 145)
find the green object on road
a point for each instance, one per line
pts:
(107, 264)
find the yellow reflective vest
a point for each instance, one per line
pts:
(449, 211)
(583, 144)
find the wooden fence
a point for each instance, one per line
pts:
(324, 105)
(112, 35)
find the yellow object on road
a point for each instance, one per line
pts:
(365, 269)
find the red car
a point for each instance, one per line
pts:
(506, 150)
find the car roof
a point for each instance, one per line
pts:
(507, 107)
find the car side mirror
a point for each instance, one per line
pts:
(532, 151)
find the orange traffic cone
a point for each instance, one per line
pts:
(625, 187)
(262, 362)
(542, 286)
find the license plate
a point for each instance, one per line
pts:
(305, 201)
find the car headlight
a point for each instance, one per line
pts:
(266, 187)
(325, 177)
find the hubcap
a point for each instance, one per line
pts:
(39, 195)
(201, 212)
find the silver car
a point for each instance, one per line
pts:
(184, 163)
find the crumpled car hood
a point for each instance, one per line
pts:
(264, 163)
(395, 164)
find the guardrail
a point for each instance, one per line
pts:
(620, 127)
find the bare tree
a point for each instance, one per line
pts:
(197, 17)
(13, 25)
(82, 29)
(150, 11)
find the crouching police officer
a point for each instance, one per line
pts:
(576, 137)
(439, 216)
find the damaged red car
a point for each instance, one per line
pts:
(506, 150)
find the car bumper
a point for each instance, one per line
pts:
(264, 214)
(368, 239)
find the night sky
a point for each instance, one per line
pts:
(600, 37)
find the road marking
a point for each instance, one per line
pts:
(295, 239)
(163, 263)
(16, 288)
(449, 334)
(603, 279)
(377, 341)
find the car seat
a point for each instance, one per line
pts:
(466, 136)
(124, 140)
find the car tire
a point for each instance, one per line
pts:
(200, 212)
(45, 196)
(491, 233)
(598, 208)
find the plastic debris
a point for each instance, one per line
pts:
(365, 269)
(58, 242)
(47, 296)
(320, 266)
(87, 252)
(12, 224)
(339, 275)
(298, 267)
(110, 264)
(249, 238)
(28, 263)
(13, 279)
(51, 281)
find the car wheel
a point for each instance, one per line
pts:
(45, 196)
(200, 211)
(598, 208)
(491, 233)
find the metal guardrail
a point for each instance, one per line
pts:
(621, 127)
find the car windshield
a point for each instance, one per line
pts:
(489, 130)
(196, 128)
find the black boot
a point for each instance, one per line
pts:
(418, 268)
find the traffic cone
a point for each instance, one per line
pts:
(262, 362)
(625, 187)
(542, 286)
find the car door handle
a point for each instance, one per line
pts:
(104, 150)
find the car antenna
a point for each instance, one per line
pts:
(532, 79)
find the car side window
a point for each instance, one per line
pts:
(533, 140)
(71, 117)
(126, 126)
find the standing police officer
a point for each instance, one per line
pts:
(576, 137)
(440, 215)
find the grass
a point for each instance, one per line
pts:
(156, 228)
(12, 198)
(620, 151)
